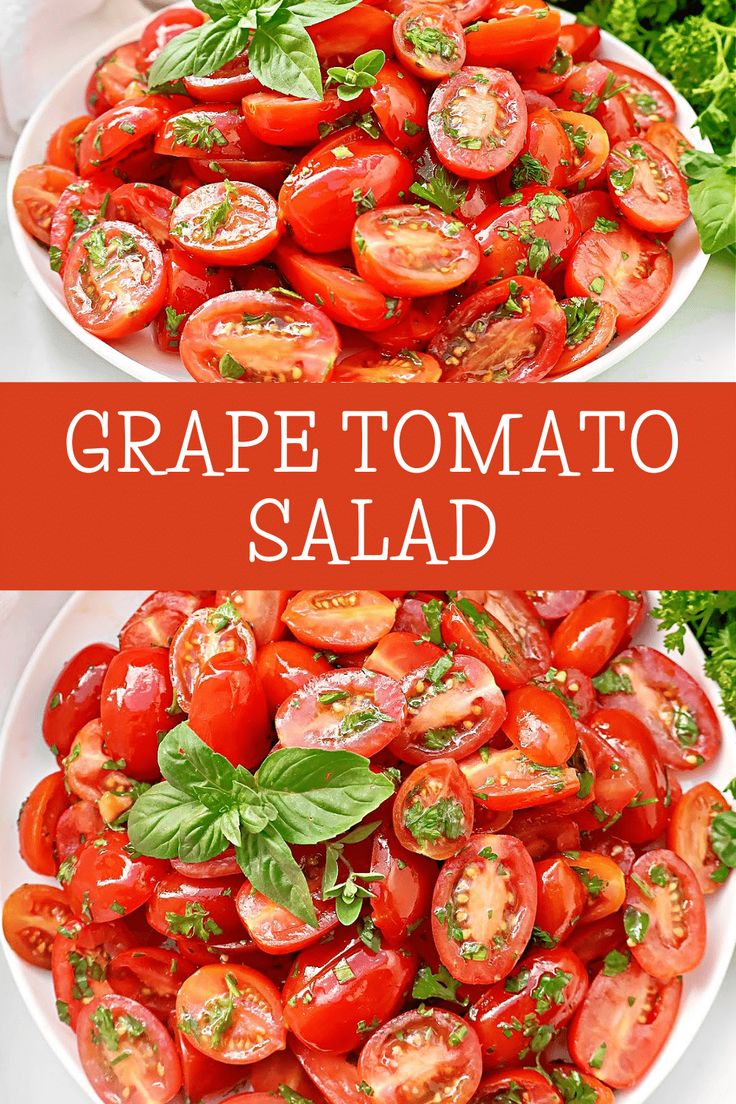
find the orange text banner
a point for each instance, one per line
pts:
(589, 485)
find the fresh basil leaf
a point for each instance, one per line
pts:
(203, 837)
(319, 794)
(697, 164)
(158, 820)
(195, 769)
(214, 8)
(282, 56)
(723, 837)
(309, 12)
(714, 211)
(269, 864)
(347, 912)
(200, 51)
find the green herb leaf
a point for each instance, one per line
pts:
(282, 56)
(273, 870)
(200, 51)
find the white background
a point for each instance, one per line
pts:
(697, 345)
(29, 1072)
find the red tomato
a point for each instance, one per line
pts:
(649, 101)
(571, 1081)
(371, 366)
(477, 121)
(155, 622)
(357, 711)
(645, 816)
(413, 250)
(147, 205)
(402, 896)
(229, 711)
(107, 879)
(204, 132)
(37, 823)
(281, 1071)
(185, 908)
(573, 687)
(415, 329)
(554, 604)
(433, 810)
(518, 332)
(262, 609)
(151, 975)
(400, 653)
(547, 153)
(590, 634)
(117, 133)
(112, 78)
(544, 832)
(255, 1026)
(343, 37)
(579, 40)
(623, 268)
(346, 621)
(287, 121)
(89, 769)
(516, 36)
(669, 701)
(541, 725)
(400, 105)
(207, 633)
(507, 779)
(536, 1089)
(268, 174)
(32, 915)
(622, 1025)
(202, 1075)
(36, 193)
(592, 205)
(591, 327)
(74, 699)
(224, 864)
(229, 223)
(615, 785)
(592, 942)
(543, 993)
(136, 706)
(561, 897)
(420, 1054)
(690, 834)
(336, 988)
(589, 145)
(331, 1073)
(259, 337)
(227, 84)
(82, 206)
(429, 41)
(318, 200)
(80, 959)
(603, 881)
(76, 825)
(665, 915)
(62, 147)
(667, 138)
(285, 666)
(114, 280)
(115, 1026)
(532, 230)
(454, 706)
(506, 634)
(160, 31)
(272, 927)
(647, 187)
(483, 909)
(329, 282)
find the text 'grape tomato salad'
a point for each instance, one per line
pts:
(385, 191)
(325, 847)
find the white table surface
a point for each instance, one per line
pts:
(28, 1068)
(696, 346)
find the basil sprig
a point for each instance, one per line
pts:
(280, 52)
(298, 796)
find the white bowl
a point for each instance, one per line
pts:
(24, 759)
(139, 356)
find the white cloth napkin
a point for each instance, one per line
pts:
(40, 40)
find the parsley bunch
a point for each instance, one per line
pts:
(711, 614)
(281, 55)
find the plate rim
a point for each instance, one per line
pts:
(26, 248)
(67, 1056)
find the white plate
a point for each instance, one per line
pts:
(24, 759)
(138, 355)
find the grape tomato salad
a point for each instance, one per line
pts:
(338, 846)
(382, 191)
